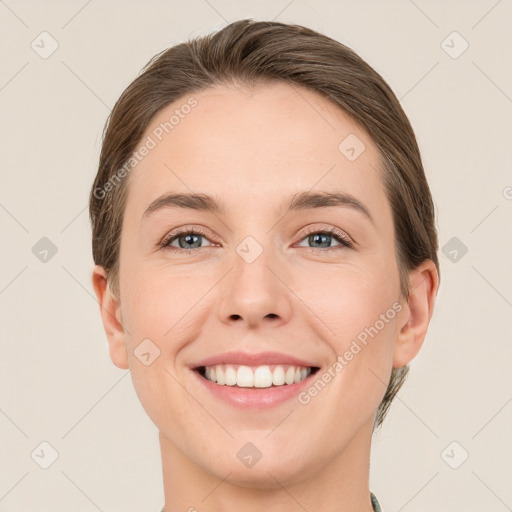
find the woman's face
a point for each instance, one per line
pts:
(260, 277)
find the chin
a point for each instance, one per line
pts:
(271, 473)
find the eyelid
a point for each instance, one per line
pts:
(182, 230)
(346, 240)
(331, 230)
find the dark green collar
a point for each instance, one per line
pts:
(375, 503)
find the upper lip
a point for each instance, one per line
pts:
(256, 359)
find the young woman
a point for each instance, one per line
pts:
(266, 264)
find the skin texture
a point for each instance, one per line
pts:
(252, 149)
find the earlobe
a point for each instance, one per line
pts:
(110, 309)
(417, 313)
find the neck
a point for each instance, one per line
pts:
(339, 484)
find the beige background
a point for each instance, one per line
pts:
(57, 384)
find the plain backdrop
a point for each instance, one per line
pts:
(445, 445)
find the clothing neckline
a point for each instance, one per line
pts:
(375, 503)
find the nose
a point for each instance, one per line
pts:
(255, 293)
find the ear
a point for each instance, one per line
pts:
(417, 312)
(110, 309)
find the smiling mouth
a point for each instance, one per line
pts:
(264, 376)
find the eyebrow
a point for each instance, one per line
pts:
(299, 201)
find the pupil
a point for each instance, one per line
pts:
(189, 238)
(315, 238)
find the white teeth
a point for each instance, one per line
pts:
(256, 377)
(220, 375)
(230, 376)
(278, 376)
(262, 377)
(244, 377)
(290, 375)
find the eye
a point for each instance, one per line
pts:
(188, 240)
(324, 237)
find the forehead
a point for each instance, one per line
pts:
(252, 146)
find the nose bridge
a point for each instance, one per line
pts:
(252, 292)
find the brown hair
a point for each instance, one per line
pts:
(252, 53)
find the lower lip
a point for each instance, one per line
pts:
(255, 398)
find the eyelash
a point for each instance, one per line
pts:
(335, 233)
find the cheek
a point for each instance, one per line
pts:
(358, 314)
(166, 306)
(155, 298)
(347, 300)
(159, 310)
(357, 311)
